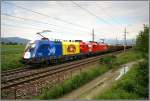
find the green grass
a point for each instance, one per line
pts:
(122, 58)
(10, 56)
(73, 83)
(86, 76)
(133, 85)
(130, 55)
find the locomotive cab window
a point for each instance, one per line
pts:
(30, 47)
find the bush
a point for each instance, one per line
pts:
(53, 93)
(67, 86)
(108, 60)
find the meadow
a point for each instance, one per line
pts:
(10, 56)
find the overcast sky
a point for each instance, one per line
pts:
(73, 20)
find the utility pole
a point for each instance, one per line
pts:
(125, 41)
(93, 35)
(116, 41)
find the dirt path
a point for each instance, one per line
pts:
(100, 84)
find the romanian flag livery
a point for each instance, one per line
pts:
(69, 48)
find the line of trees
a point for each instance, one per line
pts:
(11, 43)
(142, 45)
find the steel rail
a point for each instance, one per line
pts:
(51, 71)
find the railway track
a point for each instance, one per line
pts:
(26, 72)
(13, 79)
(10, 72)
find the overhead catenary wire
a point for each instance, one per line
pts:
(35, 21)
(92, 14)
(34, 27)
(88, 11)
(18, 27)
(22, 27)
(55, 18)
(114, 20)
(15, 26)
(29, 10)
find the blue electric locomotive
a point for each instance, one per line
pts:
(40, 51)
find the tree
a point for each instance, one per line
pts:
(142, 45)
(142, 42)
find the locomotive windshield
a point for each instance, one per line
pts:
(30, 47)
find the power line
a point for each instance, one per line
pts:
(58, 19)
(29, 10)
(19, 26)
(110, 15)
(89, 12)
(15, 26)
(26, 19)
(33, 20)
(97, 17)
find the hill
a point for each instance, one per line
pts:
(14, 40)
(114, 41)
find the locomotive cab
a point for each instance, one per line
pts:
(40, 51)
(29, 50)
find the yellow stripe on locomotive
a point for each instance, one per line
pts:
(70, 47)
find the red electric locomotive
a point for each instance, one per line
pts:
(95, 47)
(84, 48)
(92, 47)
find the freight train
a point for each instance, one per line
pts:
(44, 51)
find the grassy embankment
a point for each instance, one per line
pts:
(133, 85)
(10, 56)
(86, 76)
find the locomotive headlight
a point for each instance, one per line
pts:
(27, 55)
